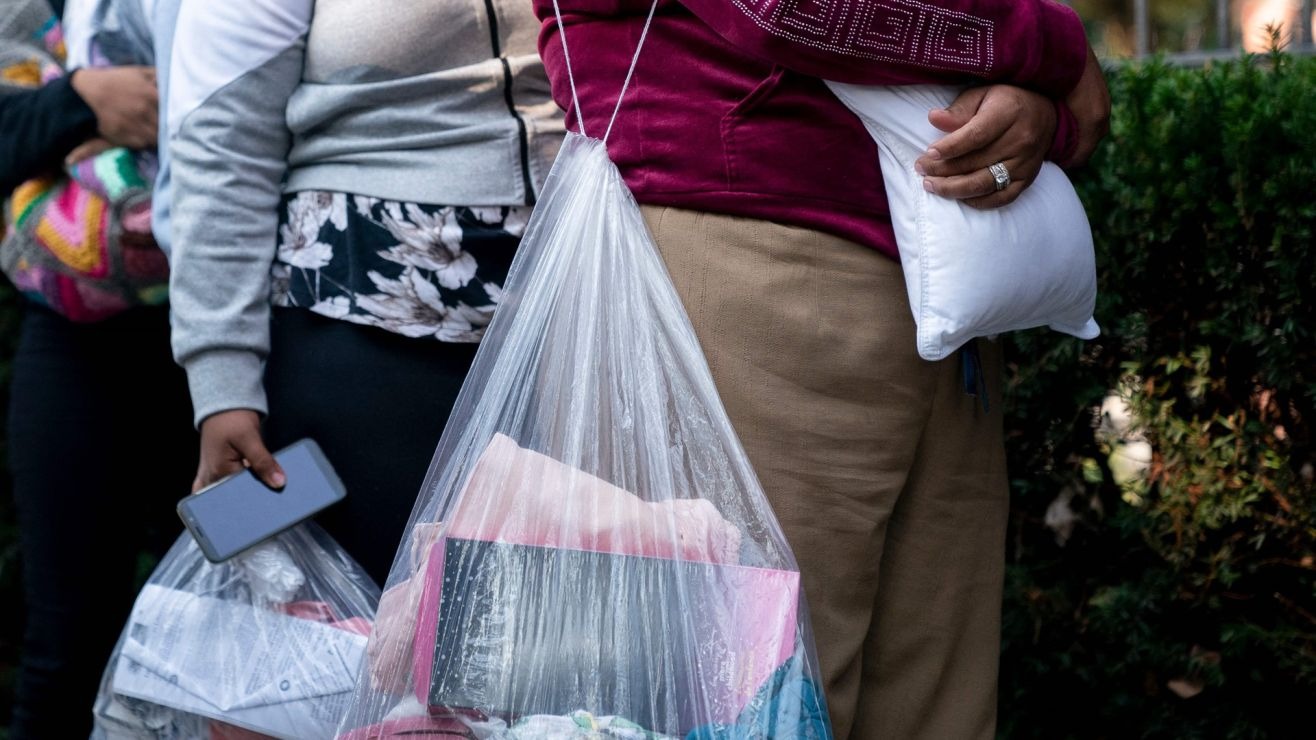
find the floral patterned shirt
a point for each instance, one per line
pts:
(413, 269)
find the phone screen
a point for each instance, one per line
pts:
(240, 512)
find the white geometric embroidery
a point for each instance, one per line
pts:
(811, 20)
(894, 33)
(902, 31)
(957, 41)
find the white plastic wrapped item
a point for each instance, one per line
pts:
(268, 644)
(591, 555)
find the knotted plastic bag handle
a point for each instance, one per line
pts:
(571, 78)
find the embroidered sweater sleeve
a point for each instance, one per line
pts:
(1038, 44)
(229, 143)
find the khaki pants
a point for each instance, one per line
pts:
(888, 480)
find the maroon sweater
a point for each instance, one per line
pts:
(727, 112)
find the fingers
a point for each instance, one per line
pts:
(970, 163)
(231, 441)
(126, 102)
(218, 458)
(959, 112)
(252, 449)
(143, 133)
(978, 183)
(985, 153)
(998, 199)
(1008, 145)
(1010, 125)
(1024, 123)
(152, 88)
(992, 119)
(215, 469)
(143, 127)
(87, 150)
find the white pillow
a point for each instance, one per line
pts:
(974, 273)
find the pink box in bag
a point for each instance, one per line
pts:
(588, 603)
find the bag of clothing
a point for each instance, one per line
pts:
(266, 645)
(591, 555)
(77, 241)
(976, 273)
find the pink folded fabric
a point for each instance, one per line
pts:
(395, 621)
(522, 497)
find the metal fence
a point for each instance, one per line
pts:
(1227, 37)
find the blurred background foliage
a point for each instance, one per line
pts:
(1186, 26)
(1163, 551)
(1162, 580)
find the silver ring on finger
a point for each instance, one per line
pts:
(1000, 175)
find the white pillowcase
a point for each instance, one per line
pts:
(974, 273)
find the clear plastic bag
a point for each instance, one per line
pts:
(268, 644)
(591, 555)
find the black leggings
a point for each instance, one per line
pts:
(376, 402)
(101, 447)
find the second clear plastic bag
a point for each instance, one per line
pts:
(266, 645)
(592, 555)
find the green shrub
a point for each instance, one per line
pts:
(1183, 602)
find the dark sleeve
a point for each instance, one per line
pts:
(38, 128)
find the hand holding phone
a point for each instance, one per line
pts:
(230, 441)
(240, 511)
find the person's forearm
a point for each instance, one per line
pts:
(1089, 104)
(38, 128)
(227, 162)
(1066, 139)
(228, 143)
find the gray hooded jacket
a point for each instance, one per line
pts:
(410, 100)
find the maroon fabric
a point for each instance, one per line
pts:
(727, 112)
(1066, 141)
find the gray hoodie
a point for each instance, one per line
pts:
(412, 100)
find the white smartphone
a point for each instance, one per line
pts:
(240, 511)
